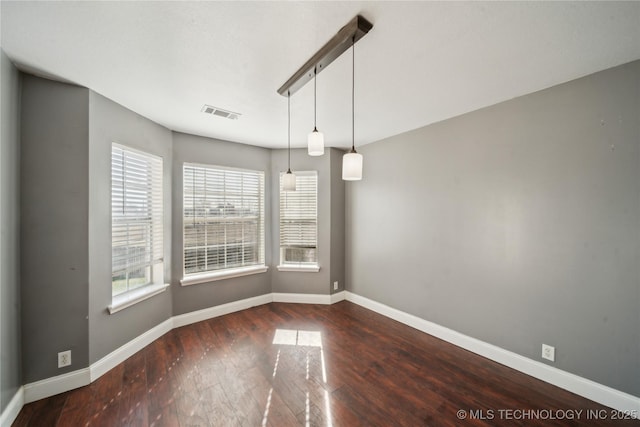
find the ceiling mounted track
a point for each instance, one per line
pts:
(357, 28)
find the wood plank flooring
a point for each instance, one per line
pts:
(310, 365)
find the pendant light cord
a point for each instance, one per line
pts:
(353, 89)
(289, 130)
(315, 99)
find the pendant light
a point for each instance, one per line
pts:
(352, 161)
(289, 178)
(316, 139)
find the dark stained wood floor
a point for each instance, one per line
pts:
(369, 371)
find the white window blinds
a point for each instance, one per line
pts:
(299, 221)
(223, 218)
(136, 219)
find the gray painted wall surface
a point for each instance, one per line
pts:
(295, 282)
(110, 122)
(337, 220)
(54, 185)
(518, 224)
(10, 363)
(196, 149)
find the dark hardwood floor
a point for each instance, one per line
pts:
(311, 365)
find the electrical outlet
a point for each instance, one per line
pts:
(335, 285)
(548, 352)
(64, 358)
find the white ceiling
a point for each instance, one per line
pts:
(421, 63)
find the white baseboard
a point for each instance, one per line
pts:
(81, 377)
(302, 298)
(592, 390)
(338, 296)
(56, 385)
(220, 310)
(581, 386)
(12, 410)
(121, 354)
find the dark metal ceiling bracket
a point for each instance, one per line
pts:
(358, 27)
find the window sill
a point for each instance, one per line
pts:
(299, 268)
(224, 274)
(128, 299)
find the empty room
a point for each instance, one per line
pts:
(314, 213)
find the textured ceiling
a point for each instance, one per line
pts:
(421, 63)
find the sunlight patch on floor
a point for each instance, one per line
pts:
(298, 337)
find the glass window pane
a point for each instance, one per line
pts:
(136, 217)
(223, 212)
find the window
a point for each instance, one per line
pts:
(136, 220)
(299, 223)
(223, 220)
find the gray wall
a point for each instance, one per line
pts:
(67, 133)
(110, 122)
(196, 149)
(54, 184)
(65, 298)
(329, 245)
(10, 364)
(518, 224)
(337, 189)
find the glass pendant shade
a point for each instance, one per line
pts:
(316, 143)
(352, 166)
(289, 181)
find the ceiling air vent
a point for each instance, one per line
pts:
(208, 109)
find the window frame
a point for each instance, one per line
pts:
(210, 275)
(154, 241)
(298, 266)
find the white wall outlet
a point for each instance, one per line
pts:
(335, 285)
(548, 352)
(64, 358)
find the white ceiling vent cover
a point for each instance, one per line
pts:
(208, 109)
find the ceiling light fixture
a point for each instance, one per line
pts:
(315, 140)
(289, 178)
(355, 29)
(347, 37)
(352, 161)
